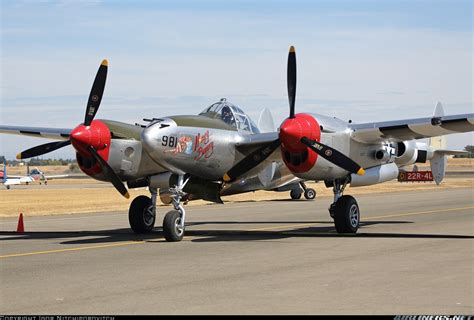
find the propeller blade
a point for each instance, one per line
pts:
(334, 156)
(291, 80)
(251, 161)
(97, 91)
(109, 173)
(42, 149)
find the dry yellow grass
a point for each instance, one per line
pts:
(84, 198)
(46, 201)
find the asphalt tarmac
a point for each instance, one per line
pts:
(413, 255)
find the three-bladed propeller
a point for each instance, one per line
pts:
(323, 150)
(82, 132)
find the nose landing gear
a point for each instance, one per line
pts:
(173, 223)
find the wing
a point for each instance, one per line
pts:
(256, 140)
(410, 129)
(60, 176)
(252, 142)
(48, 133)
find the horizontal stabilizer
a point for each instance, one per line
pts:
(452, 152)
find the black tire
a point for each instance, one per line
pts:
(141, 215)
(310, 194)
(346, 215)
(171, 230)
(295, 194)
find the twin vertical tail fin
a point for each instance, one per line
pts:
(4, 171)
(438, 145)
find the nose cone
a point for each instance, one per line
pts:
(290, 134)
(97, 135)
(153, 138)
(81, 135)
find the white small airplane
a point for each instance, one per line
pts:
(34, 175)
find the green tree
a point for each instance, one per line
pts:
(470, 149)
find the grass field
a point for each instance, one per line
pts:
(80, 196)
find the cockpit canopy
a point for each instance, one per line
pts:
(35, 171)
(232, 115)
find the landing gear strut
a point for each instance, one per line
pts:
(173, 223)
(309, 193)
(344, 210)
(142, 213)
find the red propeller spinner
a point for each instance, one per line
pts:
(296, 155)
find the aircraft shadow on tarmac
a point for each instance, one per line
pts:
(125, 234)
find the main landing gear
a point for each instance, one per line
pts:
(142, 213)
(309, 193)
(344, 210)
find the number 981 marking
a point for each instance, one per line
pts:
(169, 141)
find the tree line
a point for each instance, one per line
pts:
(39, 162)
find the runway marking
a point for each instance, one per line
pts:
(417, 213)
(86, 215)
(366, 219)
(249, 230)
(283, 227)
(72, 249)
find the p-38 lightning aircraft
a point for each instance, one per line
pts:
(207, 154)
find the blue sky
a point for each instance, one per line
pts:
(360, 60)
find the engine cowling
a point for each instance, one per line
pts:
(297, 156)
(410, 152)
(96, 135)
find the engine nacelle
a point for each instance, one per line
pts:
(374, 175)
(410, 152)
(303, 162)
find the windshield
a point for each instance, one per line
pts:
(232, 115)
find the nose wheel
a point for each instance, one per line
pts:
(174, 221)
(172, 226)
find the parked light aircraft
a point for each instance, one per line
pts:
(209, 154)
(31, 176)
(8, 181)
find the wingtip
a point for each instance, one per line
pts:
(361, 172)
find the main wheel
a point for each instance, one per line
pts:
(310, 194)
(295, 194)
(141, 215)
(346, 215)
(172, 230)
